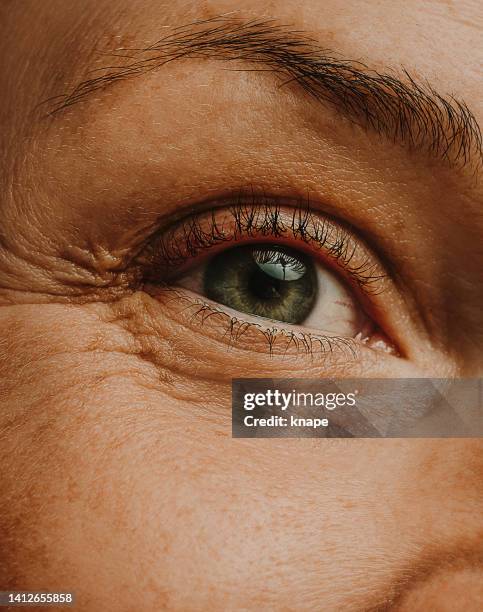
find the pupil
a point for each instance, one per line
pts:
(270, 281)
(263, 286)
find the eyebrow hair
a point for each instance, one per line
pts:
(403, 110)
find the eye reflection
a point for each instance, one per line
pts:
(279, 264)
(269, 281)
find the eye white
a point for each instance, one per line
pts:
(335, 311)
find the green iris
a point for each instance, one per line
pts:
(268, 281)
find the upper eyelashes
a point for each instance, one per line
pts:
(299, 226)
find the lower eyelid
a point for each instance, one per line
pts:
(253, 336)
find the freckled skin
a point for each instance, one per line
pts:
(119, 478)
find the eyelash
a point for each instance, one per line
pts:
(258, 217)
(306, 343)
(264, 220)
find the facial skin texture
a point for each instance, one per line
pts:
(119, 477)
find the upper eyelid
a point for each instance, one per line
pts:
(261, 218)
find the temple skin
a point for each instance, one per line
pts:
(119, 478)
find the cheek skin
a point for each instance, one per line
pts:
(118, 481)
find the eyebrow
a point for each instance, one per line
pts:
(403, 110)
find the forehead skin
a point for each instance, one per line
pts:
(110, 489)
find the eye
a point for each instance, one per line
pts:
(287, 271)
(281, 284)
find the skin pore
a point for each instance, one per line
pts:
(120, 480)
